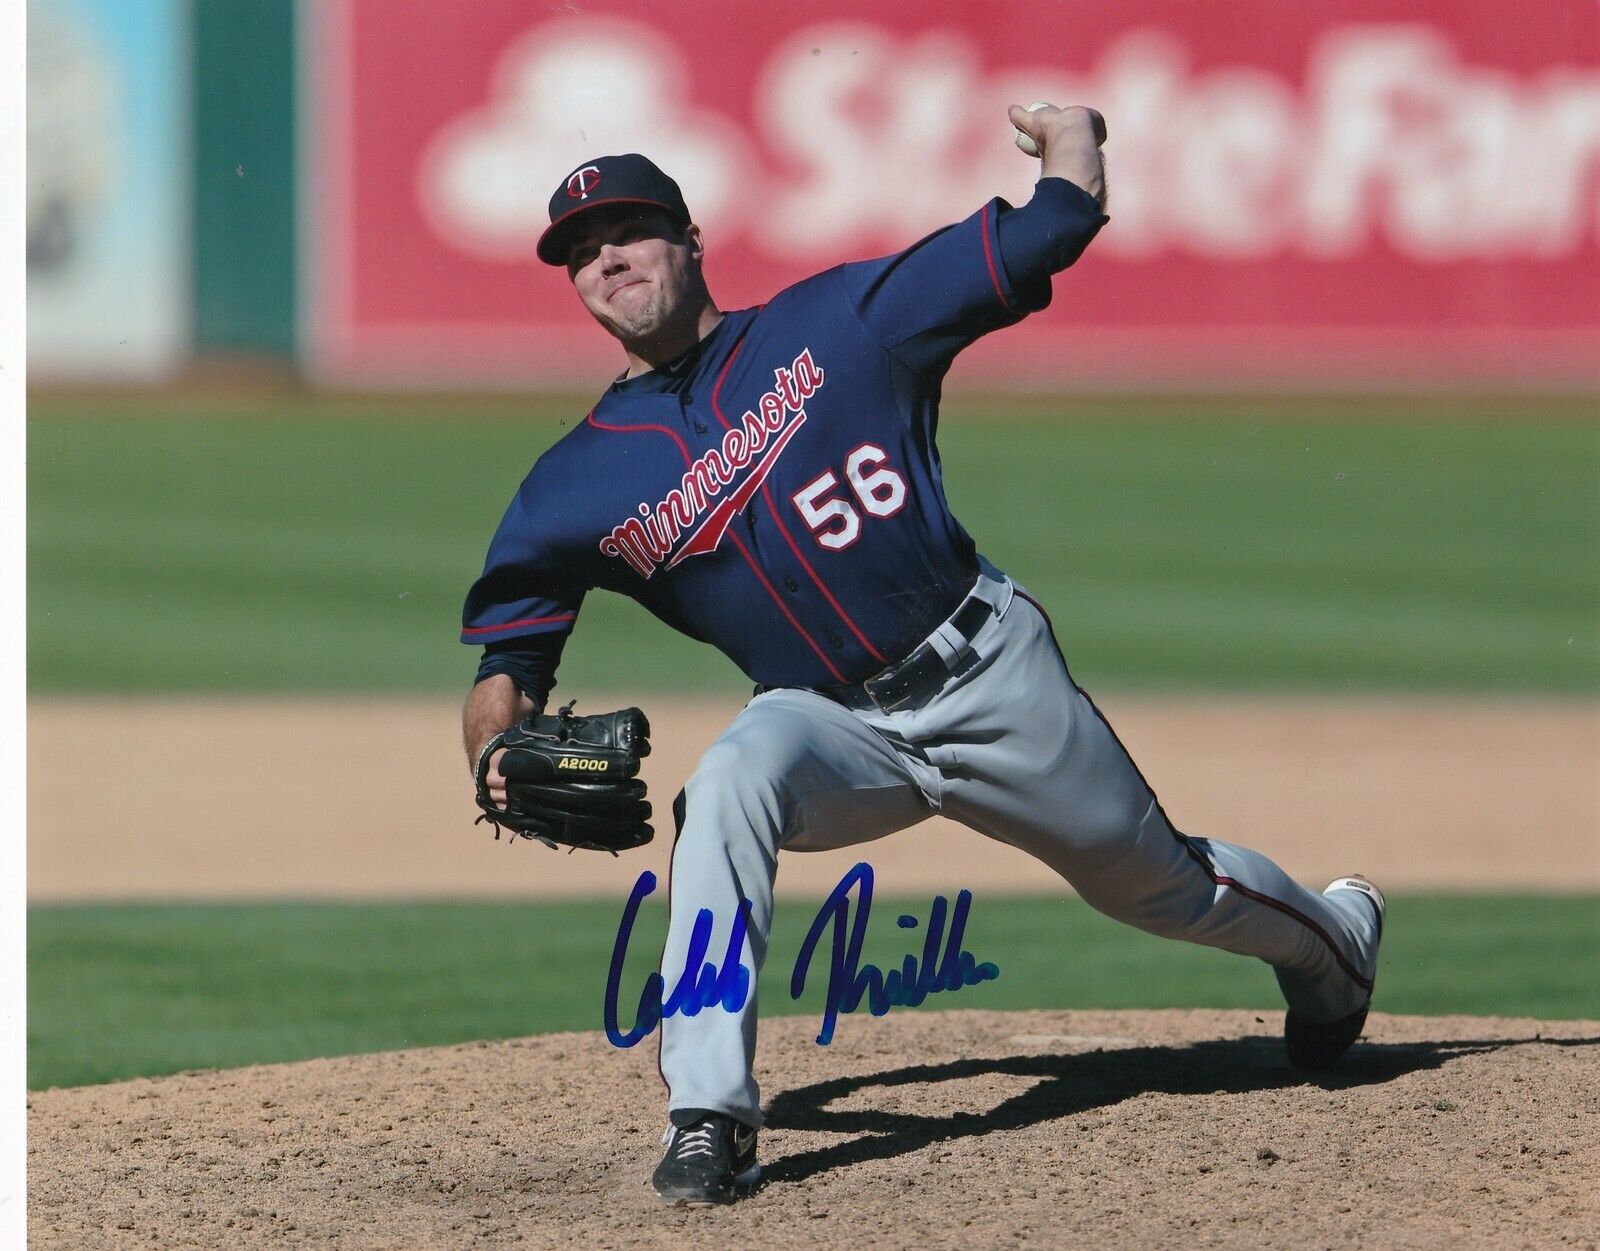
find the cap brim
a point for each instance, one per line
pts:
(553, 243)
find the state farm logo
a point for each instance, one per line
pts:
(564, 92)
(738, 466)
(1383, 134)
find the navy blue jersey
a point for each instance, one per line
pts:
(777, 493)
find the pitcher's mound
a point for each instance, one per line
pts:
(962, 1129)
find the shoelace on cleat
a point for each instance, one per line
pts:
(694, 1142)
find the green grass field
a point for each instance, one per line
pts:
(185, 544)
(293, 543)
(116, 992)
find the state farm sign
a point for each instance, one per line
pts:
(1334, 191)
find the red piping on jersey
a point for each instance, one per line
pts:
(1220, 879)
(766, 494)
(994, 274)
(710, 531)
(666, 430)
(743, 551)
(526, 621)
(784, 608)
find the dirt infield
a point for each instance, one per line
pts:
(1134, 1129)
(370, 798)
(965, 1129)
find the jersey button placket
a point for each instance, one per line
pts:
(685, 399)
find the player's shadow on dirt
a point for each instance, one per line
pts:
(1071, 1084)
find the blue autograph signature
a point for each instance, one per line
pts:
(849, 981)
(704, 984)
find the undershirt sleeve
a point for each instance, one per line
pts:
(530, 661)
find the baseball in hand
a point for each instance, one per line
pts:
(1025, 140)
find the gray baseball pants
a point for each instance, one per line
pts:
(1010, 747)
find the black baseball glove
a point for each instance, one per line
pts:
(572, 781)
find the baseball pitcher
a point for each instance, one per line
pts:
(768, 481)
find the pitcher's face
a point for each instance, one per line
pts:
(636, 269)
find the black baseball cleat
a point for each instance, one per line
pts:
(709, 1160)
(1316, 1046)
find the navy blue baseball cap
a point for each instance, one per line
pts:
(606, 180)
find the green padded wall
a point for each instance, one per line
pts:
(244, 174)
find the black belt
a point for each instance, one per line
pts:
(923, 672)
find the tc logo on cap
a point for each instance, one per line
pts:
(583, 182)
(627, 178)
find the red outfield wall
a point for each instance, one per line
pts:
(1361, 191)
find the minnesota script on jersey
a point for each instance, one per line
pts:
(777, 492)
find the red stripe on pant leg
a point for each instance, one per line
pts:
(661, 1027)
(1188, 845)
(1223, 880)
